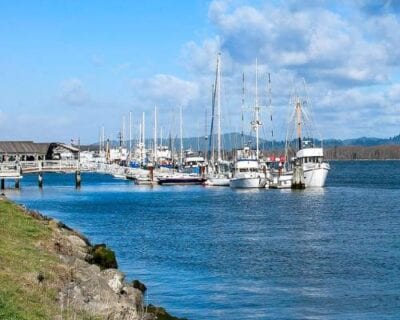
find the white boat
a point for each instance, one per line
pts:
(314, 167)
(247, 172)
(247, 168)
(309, 157)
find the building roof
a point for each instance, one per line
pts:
(23, 147)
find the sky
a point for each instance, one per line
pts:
(67, 68)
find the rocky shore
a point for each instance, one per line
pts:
(82, 278)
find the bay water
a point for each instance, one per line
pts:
(218, 253)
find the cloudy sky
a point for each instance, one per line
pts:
(69, 67)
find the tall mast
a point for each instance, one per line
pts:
(181, 155)
(219, 107)
(103, 138)
(298, 122)
(161, 136)
(143, 138)
(123, 131)
(257, 109)
(212, 140)
(205, 136)
(130, 132)
(155, 134)
(100, 142)
(242, 111)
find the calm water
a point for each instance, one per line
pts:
(217, 253)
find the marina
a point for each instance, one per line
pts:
(289, 255)
(199, 160)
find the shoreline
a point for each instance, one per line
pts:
(80, 280)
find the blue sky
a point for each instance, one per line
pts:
(69, 67)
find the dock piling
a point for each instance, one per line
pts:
(78, 179)
(17, 183)
(40, 180)
(298, 176)
(3, 184)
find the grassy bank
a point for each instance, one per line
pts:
(27, 267)
(41, 260)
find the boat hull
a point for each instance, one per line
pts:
(181, 181)
(218, 182)
(316, 177)
(247, 183)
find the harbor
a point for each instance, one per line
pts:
(209, 258)
(199, 160)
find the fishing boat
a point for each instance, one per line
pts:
(247, 167)
(308, 156)
(246, 172)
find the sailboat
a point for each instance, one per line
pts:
(220, 169)
(247, 173)
(307, 155)
(182, 177)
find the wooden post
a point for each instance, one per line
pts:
(17, 183)
(77, 179)
(3, 184)
(40, 180)
(151, 169)
(298, 176)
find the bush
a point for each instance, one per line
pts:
(103, 257)
(139, 285)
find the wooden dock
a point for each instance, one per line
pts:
(15, 170)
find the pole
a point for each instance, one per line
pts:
(257, 111)
(298, 116)
(219, 108)
(181, 156)
(123, 131)
(155, 135)
(130, 132)
(143, 138)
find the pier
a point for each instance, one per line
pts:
(18, 158)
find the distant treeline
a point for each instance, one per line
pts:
(382, 152)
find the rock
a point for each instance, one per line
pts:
(139, 285)
(103, 257)
(114, 278)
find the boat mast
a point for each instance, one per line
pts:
(130, 132)
(143, 138)
(298, 122)
(181, 155)
(218, 88)
(205, 137)
(123, 132)
(243, 111)
(155, 134)
(257, 110)
(103, 138)
(100, 142)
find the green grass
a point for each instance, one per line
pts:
(23, 256)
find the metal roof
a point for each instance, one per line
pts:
(23, 147)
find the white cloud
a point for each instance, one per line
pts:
(73, 92)
(339, 48)
(165, 90)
